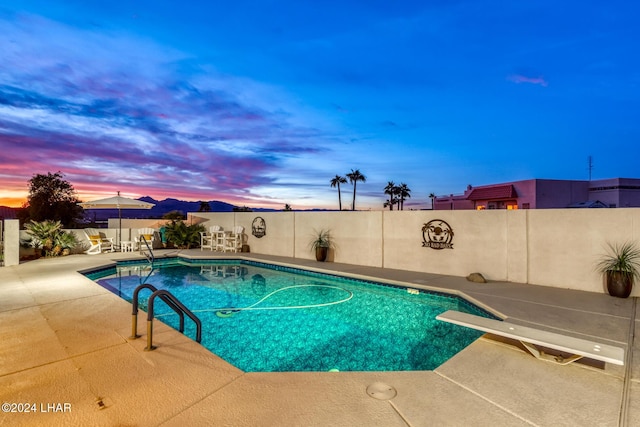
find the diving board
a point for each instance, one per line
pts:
(530, 337)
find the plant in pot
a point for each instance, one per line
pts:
(620, 266)
(321, 244)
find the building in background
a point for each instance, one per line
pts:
(546, 194)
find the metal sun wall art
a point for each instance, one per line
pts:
(258, 227)
(437, 234)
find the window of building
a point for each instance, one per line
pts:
(525, 206)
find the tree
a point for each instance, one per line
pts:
(51, 198)
(404, 192)
(204, 207)
(335, 182)
(391, 190)
(432, 197)
(173, 215)
(355, 176)
(242, 209)
(287, 207)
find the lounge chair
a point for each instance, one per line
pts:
(98, 242)
(530, 338)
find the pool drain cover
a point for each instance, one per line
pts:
(381, 391)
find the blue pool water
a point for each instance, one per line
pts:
(264, 318)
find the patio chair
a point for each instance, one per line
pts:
(98, 242)
(233, 240)
(209, 240)
(149, 236)
(220, 237)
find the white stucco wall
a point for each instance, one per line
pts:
(11, 243)
(550, 247)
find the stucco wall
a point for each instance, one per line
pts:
(550, 247)
(279, 234)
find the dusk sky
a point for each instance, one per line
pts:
(260, 103)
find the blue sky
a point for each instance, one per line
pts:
(261, 103)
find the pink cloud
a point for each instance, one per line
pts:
(519, 78)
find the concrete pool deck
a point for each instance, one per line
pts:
(65, 351)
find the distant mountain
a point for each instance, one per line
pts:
(169, 205)
(161, 208)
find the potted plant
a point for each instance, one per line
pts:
(620, 266)
(321, 244)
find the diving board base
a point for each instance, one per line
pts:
(531, 338)
(541, 355)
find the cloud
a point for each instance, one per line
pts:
(519, 78)
(108, 108)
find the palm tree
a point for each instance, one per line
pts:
(391, 190)
(388, 203)
(335, 182)
(432, 197)
(355, 176)
(404, 192)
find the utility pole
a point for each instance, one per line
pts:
(590, 165)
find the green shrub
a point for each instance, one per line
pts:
(182, 235)
(49, 237)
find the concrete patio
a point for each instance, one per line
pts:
(65, 351)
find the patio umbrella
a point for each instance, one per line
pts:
(117, 202)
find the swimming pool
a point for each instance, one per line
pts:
(267, 318)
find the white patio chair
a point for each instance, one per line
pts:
(149, 236)
(219, 236)
(208, 240)
(98, 242)
(233, 240)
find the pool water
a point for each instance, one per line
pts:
(279, 319)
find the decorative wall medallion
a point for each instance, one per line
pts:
(258, 227)
(437, 234)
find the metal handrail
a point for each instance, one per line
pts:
(172, 302)
(164, 293)
(134, 314)
(144, 280)
(150, 257)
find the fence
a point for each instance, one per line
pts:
(549, 247)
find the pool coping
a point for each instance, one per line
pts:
(58, 350)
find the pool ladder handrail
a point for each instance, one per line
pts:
(144, 280)
(172, 302)
(150, 257)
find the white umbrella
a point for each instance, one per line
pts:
(117, 202)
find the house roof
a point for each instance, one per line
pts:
(588, 204)
(506, 191)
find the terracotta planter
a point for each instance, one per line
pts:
(618, 284)
(321, 253)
